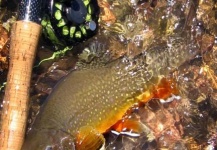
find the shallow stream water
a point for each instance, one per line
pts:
(126, 29)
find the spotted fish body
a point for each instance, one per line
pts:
(99, 97)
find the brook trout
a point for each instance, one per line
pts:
(88, 102)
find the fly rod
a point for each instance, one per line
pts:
(24, 40)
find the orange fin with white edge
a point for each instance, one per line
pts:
(165, 88)
(127, 125)
(130, 122)
(88, 138)
(132, 128)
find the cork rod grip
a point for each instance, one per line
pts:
(24, 40)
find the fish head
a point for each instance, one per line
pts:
(38, 140)
(48, 139)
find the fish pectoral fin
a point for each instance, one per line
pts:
(89, 138)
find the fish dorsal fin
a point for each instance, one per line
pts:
(94, 55)
(88, 138)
